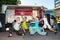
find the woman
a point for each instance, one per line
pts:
(35, 27)
(24, 24)
(16, 27)
(46, 24)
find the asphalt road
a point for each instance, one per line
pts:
(50, 36)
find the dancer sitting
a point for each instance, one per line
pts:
(24, 24)
(46, 24)
(35, 28)
(16, 26)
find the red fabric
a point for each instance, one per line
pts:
(41, 13)
(41, 16)
(23, 12)
(41, 20)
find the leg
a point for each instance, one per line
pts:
(10, 32)
(54, 27)
(44, 27)
(50, 28)
(23, 28)
(19, 33)
(57, 26)
(40, 32)
(32, 30)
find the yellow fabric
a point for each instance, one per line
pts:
(58, 21)
(24, 25)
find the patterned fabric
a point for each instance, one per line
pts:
(35, 28)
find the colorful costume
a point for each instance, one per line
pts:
(35, 28)
(46, 24)
(24, 25)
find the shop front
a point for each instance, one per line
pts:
(13, 12)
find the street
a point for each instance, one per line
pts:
(50, 36)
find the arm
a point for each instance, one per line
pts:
(43, 29)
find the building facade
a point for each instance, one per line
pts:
(50, 11)
(57, 3)
(57, 8)
(14, 11)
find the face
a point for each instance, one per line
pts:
(37, 19)
(33, 19)
(17, 19)
(44, 16)
(25, 18)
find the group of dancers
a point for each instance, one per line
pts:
(33, 26)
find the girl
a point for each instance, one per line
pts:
(35, 28)
(46, 24)
(16, 26)
(24, 24)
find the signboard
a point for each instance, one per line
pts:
(19, 12)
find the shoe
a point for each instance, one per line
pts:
(22, 34)
(46, 33)
(55, 32)
(10, 35)
(31, 35)
(19, 34)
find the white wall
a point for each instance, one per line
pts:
(4, 7)
(10, 15)
(35, 13)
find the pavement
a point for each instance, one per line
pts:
(50, 36)
(4, 36)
